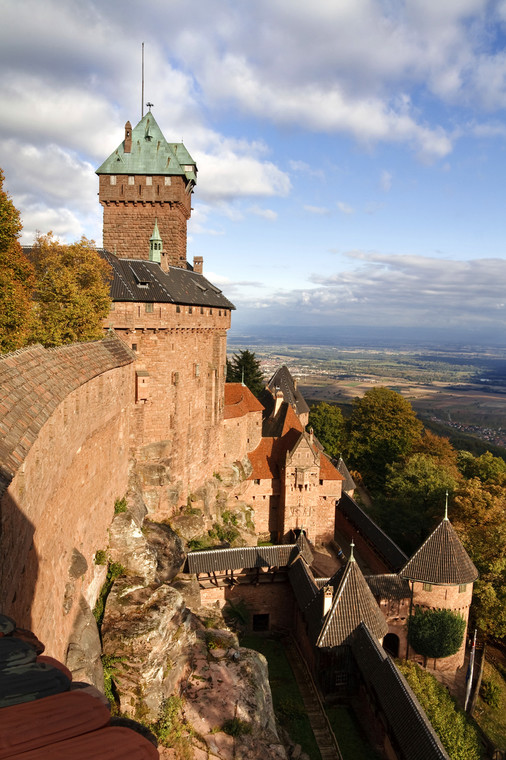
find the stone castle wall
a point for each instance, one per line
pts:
(131, 207)
(176, 433)
(59, 502)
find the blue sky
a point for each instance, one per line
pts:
(351, 153)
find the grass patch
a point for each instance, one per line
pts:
(349, 735)
(114, 570)
(492, 720)
(288, 704)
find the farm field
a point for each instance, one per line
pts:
(463, 389)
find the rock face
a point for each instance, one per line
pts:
(84, 649)
(159, 652)
(150, 633)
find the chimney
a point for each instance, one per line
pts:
(311, 436)
(327, 599)
(278, 401)
(128, 137)
(164, 261)
(198, 264)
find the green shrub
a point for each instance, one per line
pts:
(120, 505)
(236, 727)
(109, 663)
(490, 692)
(436, 633)
(114, 570)
(100, 557)
(457, 734)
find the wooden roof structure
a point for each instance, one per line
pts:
(441, 559)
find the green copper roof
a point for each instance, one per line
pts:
(150, 154)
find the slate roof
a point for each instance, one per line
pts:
(283, 380)
(239, 401)
(352, 604)
(441, 559)
(146, 282)
(412, 731)
(349, 484)
(372, 532)
(303, 584)
(35, 380)
(388, 586)
(216, 560)
(150, 154)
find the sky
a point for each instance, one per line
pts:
(351, 153)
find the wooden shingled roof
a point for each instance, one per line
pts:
(441, 559)
(411, 731)
(352, 604)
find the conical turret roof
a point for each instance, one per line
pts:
(352, 604)
(441, 559)
(150, 154)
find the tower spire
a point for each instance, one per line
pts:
(352, 546)
(155, 244)
(446, 506)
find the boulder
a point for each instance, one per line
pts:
(84, 648)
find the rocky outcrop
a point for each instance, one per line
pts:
(84, 649)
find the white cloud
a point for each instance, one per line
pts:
(265, 213)
(404, 290)
(386, 180)
(345, 208)
(318, 210)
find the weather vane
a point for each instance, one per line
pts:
(149, 105)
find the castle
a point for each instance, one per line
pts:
(152, 396)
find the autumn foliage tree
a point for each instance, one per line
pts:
(71, 296)
(383, 430)
(16, 278)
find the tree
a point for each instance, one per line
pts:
(436, 633)
(487, 467)
(16, 278)
(246, 365)
(414, 498)
(71, 293)
(479, 517)
(383, 429)
(328, 425)
(457, 734)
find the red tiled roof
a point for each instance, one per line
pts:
(327, 469)
(239, 401)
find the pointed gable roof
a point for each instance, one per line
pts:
(441, 559)
(150, 154)
(283, 380)
(352, 604)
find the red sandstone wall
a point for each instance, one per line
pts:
(241, 435)
(179, 411)
(449, 598)
(273, 599)
(130, 211)
(63, 497)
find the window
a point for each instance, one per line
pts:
(134, 346)
(131, 180)
(427, 586)
(256, 481)
(112, 179)
(210, 311)
(321, 482)
(197, 370)
(260, 622)
(178, 310)
(201, 309)
(149, 308)
(462, 588)
(175, 378)
(167, 181)
(149, 180)
(190, 310)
